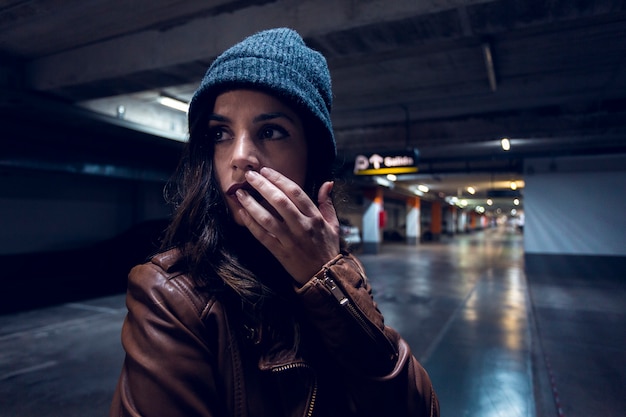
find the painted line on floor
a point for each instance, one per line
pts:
(57, 326)
(555, 391)
(27, 370)
(437, 340)
(98, 309)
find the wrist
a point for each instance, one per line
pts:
(321, 273)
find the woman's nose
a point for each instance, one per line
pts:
(245, 153)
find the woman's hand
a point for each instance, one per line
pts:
(302, 236)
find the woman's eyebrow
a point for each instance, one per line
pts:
(269, 116)
(217, 118)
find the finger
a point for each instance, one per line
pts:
(293, 191)
(293, 206)
(275, 200)
(256, 218)
(264, 237)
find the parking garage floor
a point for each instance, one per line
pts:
(496, 342)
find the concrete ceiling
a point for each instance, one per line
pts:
(448, 78)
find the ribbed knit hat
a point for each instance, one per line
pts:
(276, 61)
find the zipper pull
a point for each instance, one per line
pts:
(335, 290)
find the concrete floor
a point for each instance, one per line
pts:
(496, 342)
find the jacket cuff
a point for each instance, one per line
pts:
(339, 304)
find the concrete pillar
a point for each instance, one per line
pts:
(412, 220)
(450, 217)
(462, 221)
(484, 223)
(373, 201)
(435, 219)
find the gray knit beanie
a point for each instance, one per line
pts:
(276, 61)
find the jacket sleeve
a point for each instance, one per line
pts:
(384, 376)
(170, 363)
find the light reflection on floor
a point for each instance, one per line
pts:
(463, 307)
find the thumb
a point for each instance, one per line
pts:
(325, 203)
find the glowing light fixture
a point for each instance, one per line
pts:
(121, 111)
(471, 190)
(391, 177)
(489, 202)
(513, 185)
(383, 182)
(173, 103)
(423, 188)
(516, 201)
(506, 144)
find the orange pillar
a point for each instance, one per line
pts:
(435, 220)
(472, 220)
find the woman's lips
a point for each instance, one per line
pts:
(246, 187)
(240, 185)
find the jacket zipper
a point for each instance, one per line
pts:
(344, 301)
(313, 397)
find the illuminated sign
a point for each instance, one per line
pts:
(404, 162)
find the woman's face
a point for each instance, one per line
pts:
(251, 130)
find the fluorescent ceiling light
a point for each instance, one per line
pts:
(383, 182)
(506, 144)
(173, 103)
(452, 200)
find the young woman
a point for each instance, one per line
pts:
(253, 308)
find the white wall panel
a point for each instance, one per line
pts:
(572, 206)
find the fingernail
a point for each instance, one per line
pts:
(240, 193)
(265, 171)
(252, 174)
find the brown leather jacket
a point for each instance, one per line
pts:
(185, 354)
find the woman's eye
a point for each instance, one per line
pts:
(273, 133)
(217, 134)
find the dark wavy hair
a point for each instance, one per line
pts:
(201, 224)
